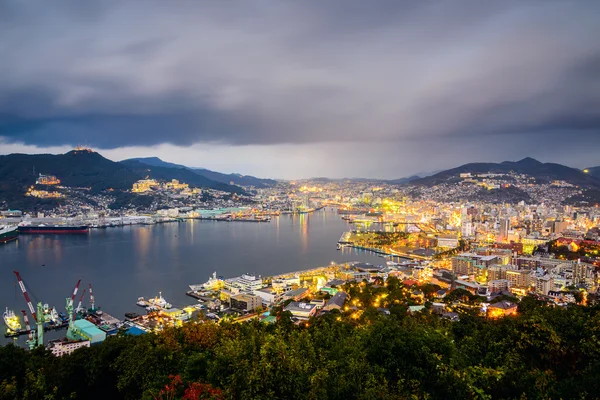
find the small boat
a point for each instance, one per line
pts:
(159, 302)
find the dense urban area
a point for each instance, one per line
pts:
(488, 287)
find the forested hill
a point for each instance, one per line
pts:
(543, 172)
(75, 169)
(83, 168)
(542, 353)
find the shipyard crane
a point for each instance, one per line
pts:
(75, 290)
(71, 300)
(69, 308)
(26, 295)
(30, 340)
(78, 309)
(92, 304)
(37, 317)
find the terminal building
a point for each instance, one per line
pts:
(244, 284)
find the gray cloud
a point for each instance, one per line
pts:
(264, 72)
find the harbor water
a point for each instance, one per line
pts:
(125, 263)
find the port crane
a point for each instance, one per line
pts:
(38, 316)
(30, 340)
(79, 308)
(71, 300)
(75, 290)
(92, 303)
(25, 294)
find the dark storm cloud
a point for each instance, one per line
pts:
(265, 72)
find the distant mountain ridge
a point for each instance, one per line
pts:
(237, 179)
(543, 172)
(181, 174)
(594, 171)
(404, 180)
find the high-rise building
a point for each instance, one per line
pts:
(467, 229)
(544, 284)
(559, 226)
(582, 273)
(503, 230)
(519, 279)
(498, 285)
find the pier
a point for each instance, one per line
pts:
(22, 332)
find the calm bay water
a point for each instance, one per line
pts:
(123, 264)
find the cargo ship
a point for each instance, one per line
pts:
(52, 228)
(11, 321)
(8, 233)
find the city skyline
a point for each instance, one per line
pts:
(303, 90)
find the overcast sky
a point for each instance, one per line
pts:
(291, 89)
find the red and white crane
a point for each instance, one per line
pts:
(27, 326)
(80, 300)
(26, 295)
(75, 291)
(92, 304)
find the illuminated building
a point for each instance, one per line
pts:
(47, 180)
(144, 185)
(467, 229)
(501, 309)
(62, 347)
(268, 295)
(498, 285)
(559, 226)
(504, 227)
(473, 265)
(175, 185)
(43, 194)
(498, 272)
(530, 243)
(544, 284)
(301, 311)
(447, 241)
(244, 283)
(583, 273)
(245, 302)
(519, 279)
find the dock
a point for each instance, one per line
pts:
(22, 332)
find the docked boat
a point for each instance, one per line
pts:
(11, 320)
(159, 302)
(213, 283)
(29, 228)
(154, 304)
(8, 233)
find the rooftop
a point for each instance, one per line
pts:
(296, 292)
(299, 307)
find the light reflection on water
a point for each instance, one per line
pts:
(125, 263)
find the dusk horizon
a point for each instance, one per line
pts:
(292, 90)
